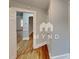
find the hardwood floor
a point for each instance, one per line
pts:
(25, 49)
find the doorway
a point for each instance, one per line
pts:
(25, 50)
(24, 24)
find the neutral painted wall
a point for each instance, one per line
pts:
(58, 15)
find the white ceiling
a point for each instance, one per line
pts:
(43, 4)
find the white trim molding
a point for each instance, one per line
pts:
(63, 56)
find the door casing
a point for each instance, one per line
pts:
(13, 32)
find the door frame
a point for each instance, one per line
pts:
(12, 14)
(34, 22)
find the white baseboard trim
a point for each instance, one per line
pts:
(39, 45)
(61, 56)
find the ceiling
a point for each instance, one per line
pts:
(43, 4)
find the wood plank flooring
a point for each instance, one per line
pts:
(25, 49)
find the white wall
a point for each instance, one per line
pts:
(59, 17)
